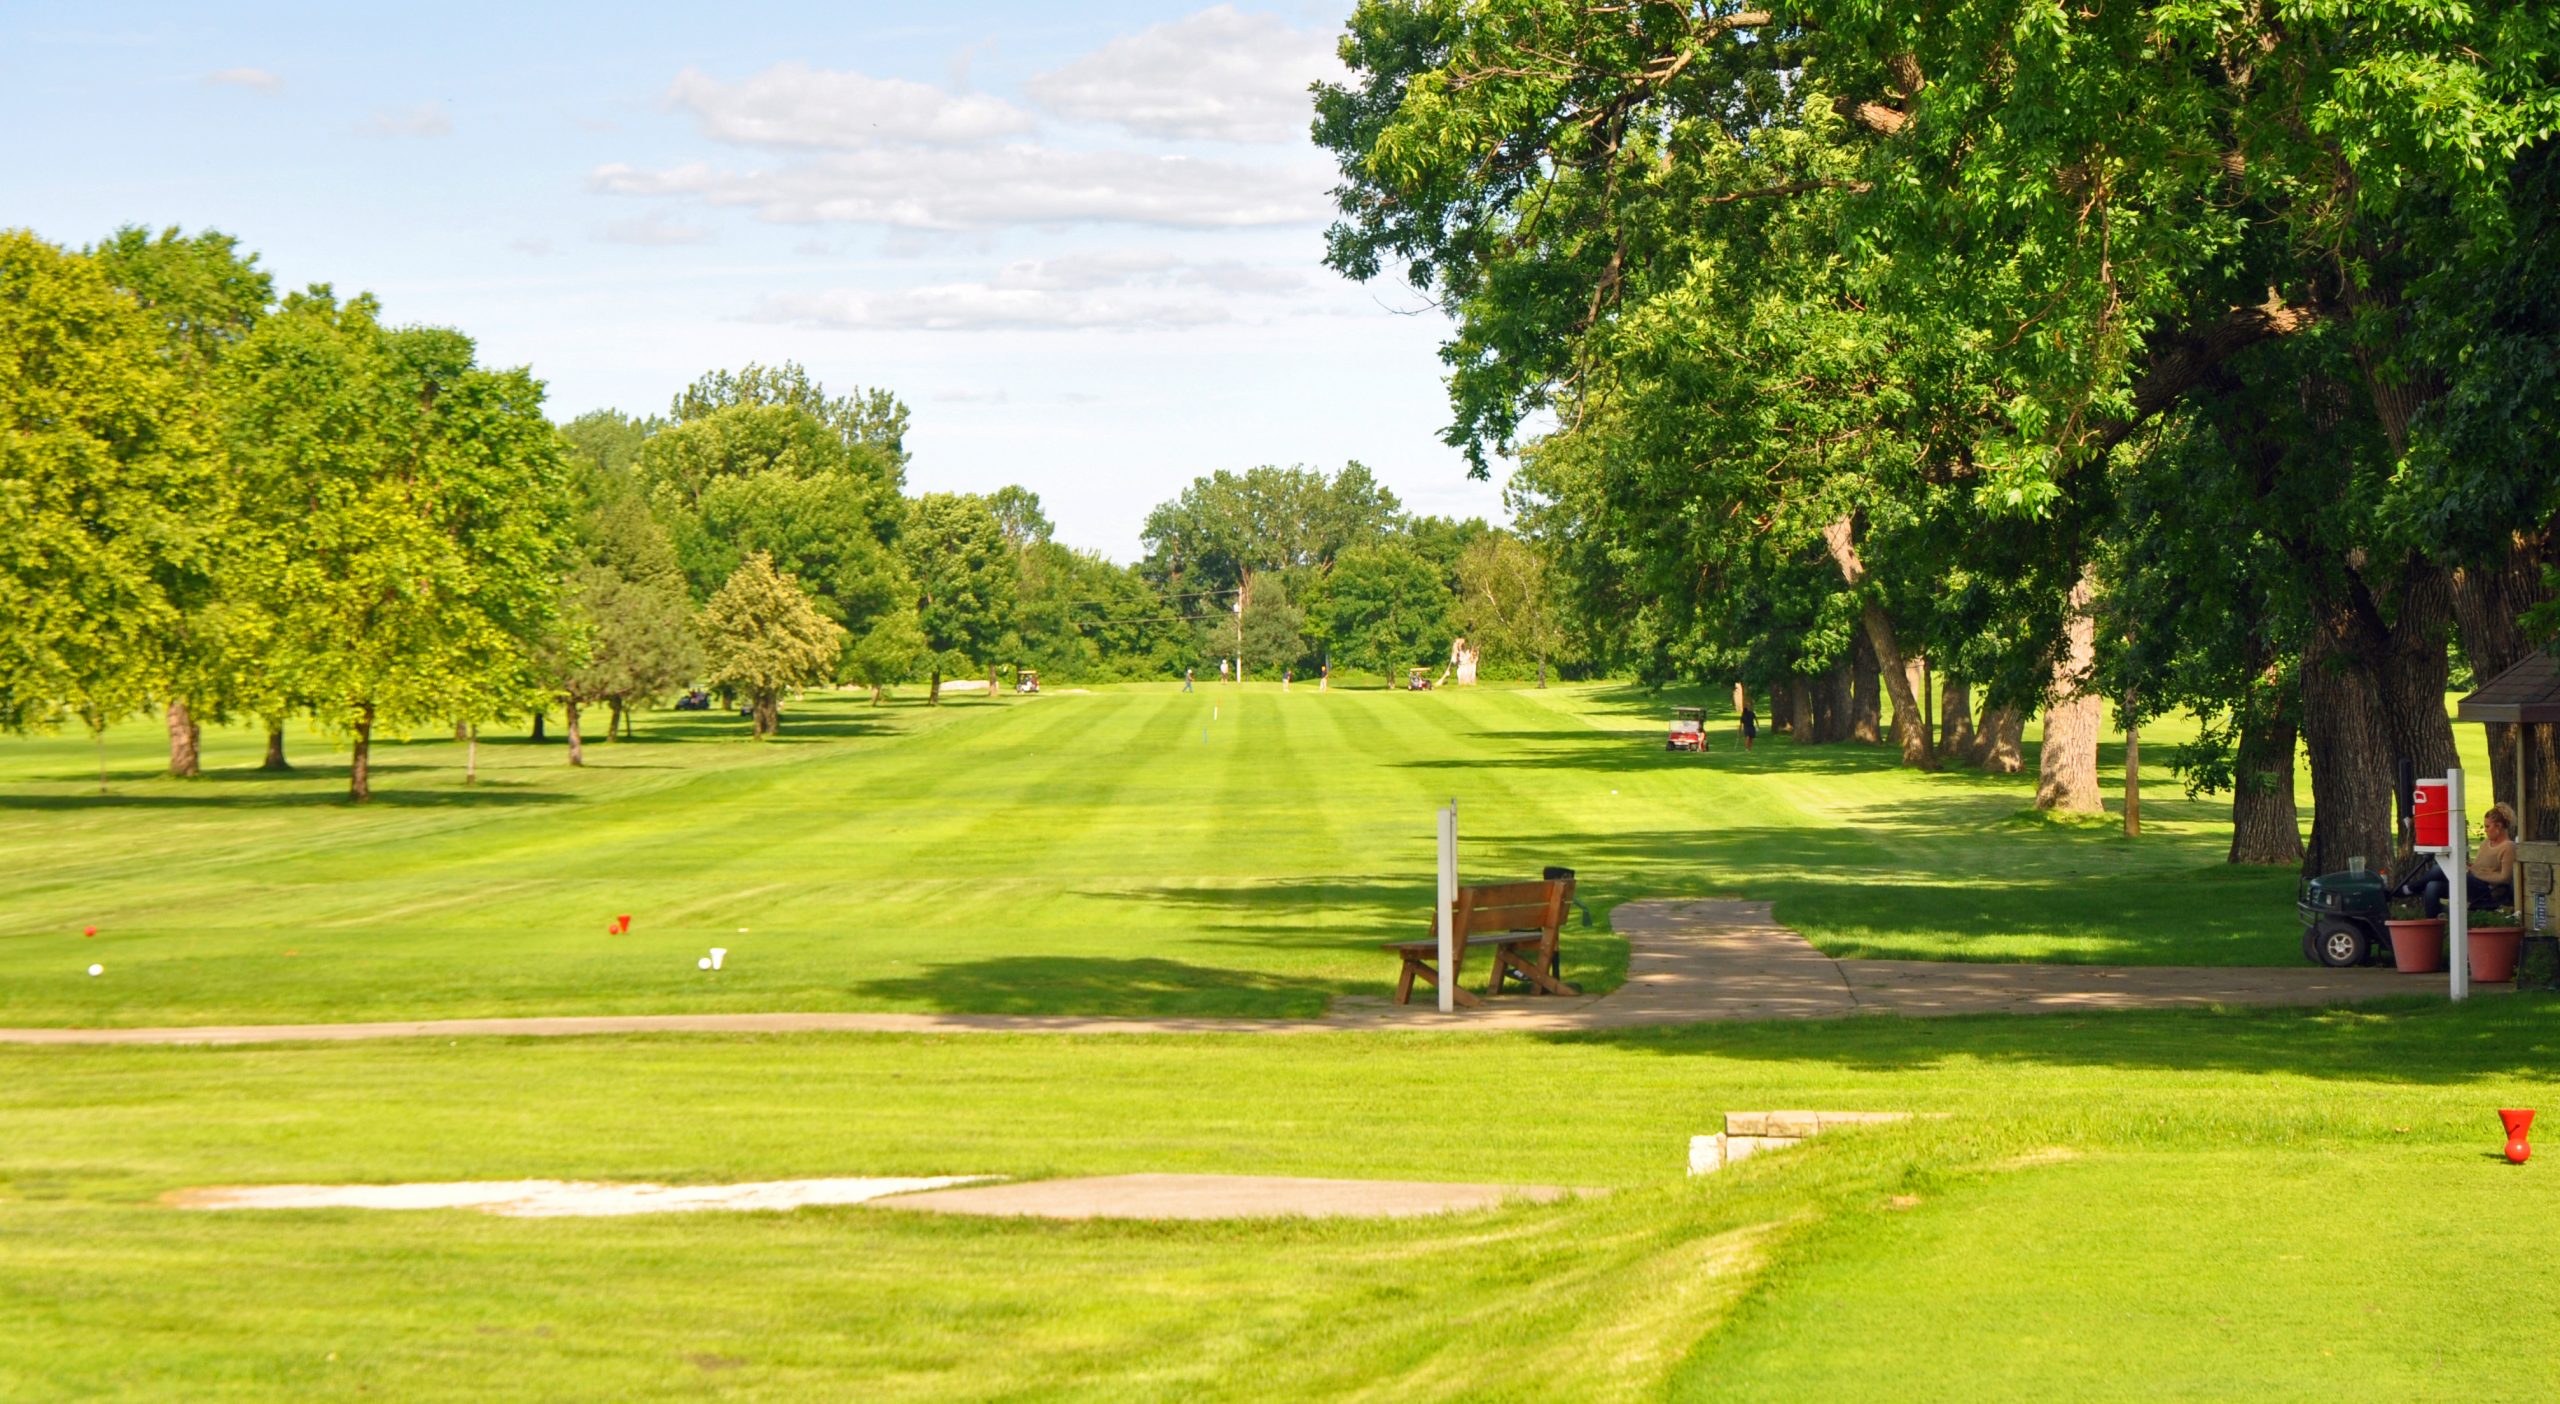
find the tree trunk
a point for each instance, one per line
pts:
(2352, 760)
(2067, 765)
(186, 742)
(613, 720)
(470, 755)
(1833, 698)
(1841, 539)
(768, 714)
(992, 694)
(275, 747)
(1915, 672)
(1542, 670)
(1955, 719)
(2000, 742)
(360, 764)
(1800, 724)
(569, 729)
(933, 690)
(2265, 829)
(875, 694)
(538, 715)
(2415, 672)
(2488, 604)
(2132, 771)
(1866, 724)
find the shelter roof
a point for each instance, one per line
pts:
(2527, 692)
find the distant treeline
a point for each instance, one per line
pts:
(220, 505)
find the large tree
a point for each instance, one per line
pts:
(762, 635)
(109, 494)
(412, 518)
(964, 577)
(1385, 609)
(205, 295)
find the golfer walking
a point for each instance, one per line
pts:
(1750, 724)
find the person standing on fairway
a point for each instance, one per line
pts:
(1186, 679)
(1284, 678)
(1750, 724)
(1324, 675)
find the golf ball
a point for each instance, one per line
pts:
(97, 970)
(702, 964)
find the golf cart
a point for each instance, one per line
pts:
(1688, 730)
(1029, 681)
(2345, 918)
(1417, 680)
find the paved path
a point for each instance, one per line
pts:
(1688, 962)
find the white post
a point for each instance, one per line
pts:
(1448, 982)
(2457, 881)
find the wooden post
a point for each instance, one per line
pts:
(2132, 772)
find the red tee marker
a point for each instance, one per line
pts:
(2519, 1124)
(88, 931)
(622, 923)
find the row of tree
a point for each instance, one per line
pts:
(220, 505)
(2185, 356)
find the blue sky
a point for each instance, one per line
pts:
(1084, 242)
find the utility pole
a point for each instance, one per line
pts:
(1240, 631)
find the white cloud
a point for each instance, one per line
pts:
(1121, 289)
(973, 397)
(654, 230)
(985, 307)
(983, 187)
(424, 120)
(1219, 75)
(794, 105)
(536, 247)
(257, 78)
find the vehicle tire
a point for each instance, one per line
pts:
(2341, 944)
(2311, 944)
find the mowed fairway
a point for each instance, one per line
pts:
(1130, 851)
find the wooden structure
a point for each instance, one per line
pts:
(1518, 923)
(2524, 696)
(2527, 694)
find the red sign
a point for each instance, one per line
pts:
(2433, 817)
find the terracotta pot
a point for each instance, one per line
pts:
(2417, 947)
(2493, 952)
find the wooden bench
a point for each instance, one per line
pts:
(1517, 922)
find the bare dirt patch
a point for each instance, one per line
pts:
(545, 1199)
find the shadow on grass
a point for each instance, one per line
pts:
(1104, 988)
(2502, 1040)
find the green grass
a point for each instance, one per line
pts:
(2286, 1204)
(1112, 853)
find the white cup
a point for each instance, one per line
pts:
(718, 953)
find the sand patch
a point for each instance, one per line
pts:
(547, 1199)
(1223, 1197)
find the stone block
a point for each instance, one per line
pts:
(1706, 1154)
(1744, 1123)
(1797, 1124)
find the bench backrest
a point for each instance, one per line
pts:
(1512, 906)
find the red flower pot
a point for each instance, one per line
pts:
(2417, 947)
(2493, 952)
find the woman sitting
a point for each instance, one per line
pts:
(2492, 879)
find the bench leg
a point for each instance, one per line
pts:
(1404, 980)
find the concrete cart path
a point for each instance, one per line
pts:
(1688, 962)
(1219, 1197)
